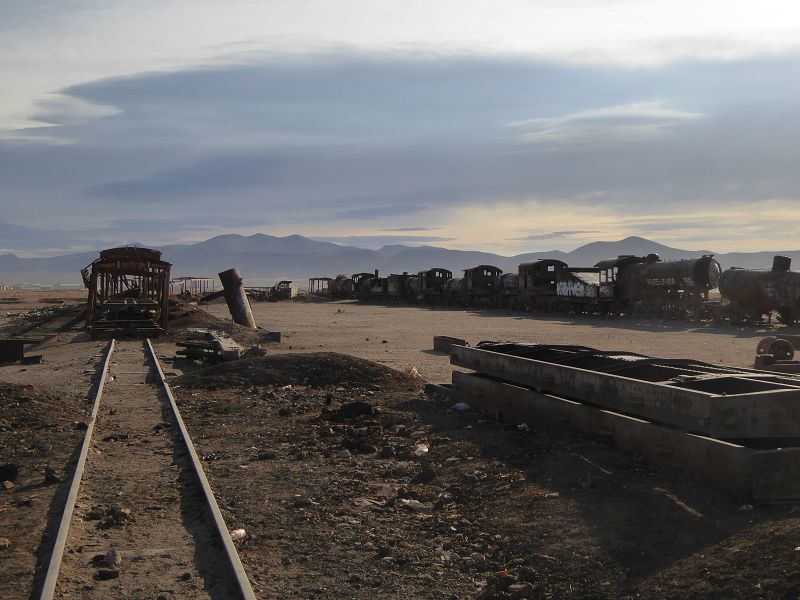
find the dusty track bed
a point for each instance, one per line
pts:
(37, 430)
(569, 514)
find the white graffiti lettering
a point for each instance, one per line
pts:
(575, 289)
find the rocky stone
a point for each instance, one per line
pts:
(487, 593)
(105, 574)
(113, 558)
(267, 455)
(7, 485)
(386, 452)
(9, 472)
(343, 453)
(520, 590)
(4, 543)
(50, 475)
(351, 410)
(302, 501)
(507, 580)
(426, 475)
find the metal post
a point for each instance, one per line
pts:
(236, 298)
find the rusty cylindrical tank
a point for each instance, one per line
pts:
(753, 290)
(238, 304)
(695, 272)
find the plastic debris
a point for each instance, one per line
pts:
(238, 534)
(462, 406)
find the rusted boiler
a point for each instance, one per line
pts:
(749, 294)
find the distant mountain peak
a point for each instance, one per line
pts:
(264, 259)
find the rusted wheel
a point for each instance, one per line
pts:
(780, 349)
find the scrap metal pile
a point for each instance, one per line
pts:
(128, 292)
(738, 427)
(641, 286)
(210, 346)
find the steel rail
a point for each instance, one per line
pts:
(49, 586)
(230, 550)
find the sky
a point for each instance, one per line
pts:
(508, 127)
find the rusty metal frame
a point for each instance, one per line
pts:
(120, 271)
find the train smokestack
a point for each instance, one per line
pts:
(781, 264)
(235, 296)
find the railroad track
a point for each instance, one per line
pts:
(140, 520)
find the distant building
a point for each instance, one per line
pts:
(5, 286)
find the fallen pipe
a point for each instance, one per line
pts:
(235, 296)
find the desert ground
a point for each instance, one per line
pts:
(351, 483)
(401, 336)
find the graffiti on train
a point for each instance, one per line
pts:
(576, 289)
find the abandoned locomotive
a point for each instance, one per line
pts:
(635, 285)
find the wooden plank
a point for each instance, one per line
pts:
(762, 414)
(730, 465)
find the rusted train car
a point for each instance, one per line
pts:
(634, 285)
(749, 294)
(128, 292)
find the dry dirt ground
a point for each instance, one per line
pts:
(401, 336)
(339, 499)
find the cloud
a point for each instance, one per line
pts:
(378, 212)
(554, 235)
(411, 229)
(218, 174)
(634, 122)
(377, 241)
(369, 143)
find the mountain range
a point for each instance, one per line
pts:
(264, 259)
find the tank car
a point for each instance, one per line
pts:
(677, 288)
(749, 294)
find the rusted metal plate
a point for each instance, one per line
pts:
(728, 464)
(724, 405)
